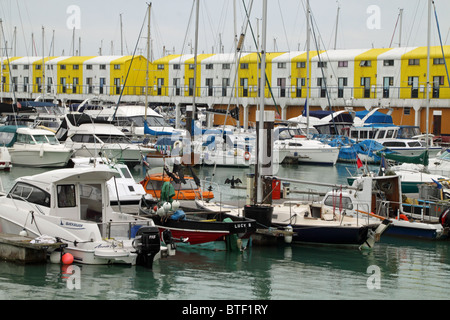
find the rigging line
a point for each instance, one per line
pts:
(284, 27)
(440, 40)
(262, 87)
(10, 75)
(321, 69)
(395, 28)
(238, 54)
(129, 67)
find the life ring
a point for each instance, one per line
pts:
(402, 217)
(247, 155)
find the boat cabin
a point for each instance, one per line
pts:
(74, 194)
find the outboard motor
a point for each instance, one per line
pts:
(147, 244)
(169, 241)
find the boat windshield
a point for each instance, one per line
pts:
(41, 138)
(112, 138)
(152, 121)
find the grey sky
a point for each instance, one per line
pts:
(362, 24)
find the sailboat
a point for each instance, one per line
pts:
(302, 226)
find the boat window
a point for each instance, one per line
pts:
(394, 144)
(295, 144)
(125, 172)
(363, 135)
(189, 185)
(390, 134)
(154, 185)
(31, 194)
(112, 138)
(354, 134)
(334, 200)
(40, 139)
(24, 138)
(83, 138)
(52, 139)
(415, 144)
(381, 134)
(66, 195)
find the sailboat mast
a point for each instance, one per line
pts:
(148, 61)
(307, 67)
(428, 74)
(259, 178)
(197, 9)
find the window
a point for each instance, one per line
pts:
(117, 67)
(75, 67)
(37, 67)
(388, 63)
(160, 67)
(102, 67)
(244, 66)
(414, 62)
(321, 64)
(365, 63)
(66, 195)
(301, 64)
(23, 191)
(336, 201)
(191, 66)
(89, 67)
(62, 67)
(407, 111)
(225, 66)
(281, 65)
(83, 138)
(176, 66)
(343, 64)
(209, 66)
(438, 61)
(26, 67)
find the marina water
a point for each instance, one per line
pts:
(394, 269)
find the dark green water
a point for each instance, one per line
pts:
(394, 269)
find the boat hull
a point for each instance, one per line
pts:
(334, 235)
(40, 159)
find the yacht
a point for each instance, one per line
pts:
(72, 206)
(34, 147)
(90, 138)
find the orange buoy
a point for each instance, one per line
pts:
(67, 258)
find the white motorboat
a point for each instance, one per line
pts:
(409, 147)
(304, 150)
(90, 139)
(33, 147)
(123, 188)
(5, 159)
(72, 205)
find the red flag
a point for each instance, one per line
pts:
(358, 162)
(19, 106)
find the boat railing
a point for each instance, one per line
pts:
(122, 229)
(428, 212)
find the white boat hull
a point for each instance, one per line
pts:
(40, 157)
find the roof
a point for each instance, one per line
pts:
(88, 174)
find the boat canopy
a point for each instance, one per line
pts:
(420, 159)
(8, 135)
(376, 117)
